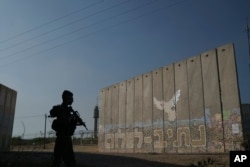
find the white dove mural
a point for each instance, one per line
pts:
(169, 107)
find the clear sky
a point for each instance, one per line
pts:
(85, 45)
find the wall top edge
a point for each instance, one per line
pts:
(229, 45)
(8, 88)
(173, 64)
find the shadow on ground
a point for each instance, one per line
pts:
(43, 159)
(107, 160)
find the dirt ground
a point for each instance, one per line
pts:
(89, 156)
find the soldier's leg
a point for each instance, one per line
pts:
(57, 157)
(68, 153)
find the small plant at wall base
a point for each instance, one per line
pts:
(204, 163)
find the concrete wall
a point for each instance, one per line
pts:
(7, 112)
(189, 106)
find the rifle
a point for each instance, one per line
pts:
(79, 119)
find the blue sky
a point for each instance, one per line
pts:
(85, 45)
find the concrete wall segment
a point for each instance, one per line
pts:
(182, 108)
(195, 88)
(147, 112)
(115, 106)
(7, 112)
(158, 133)
(13, 101)
(2, 95)
(181, 88)
(115, 114)
(138, 115)
(130, 104)
(196, 105)
(108, 111)
(212, 102)
(157, 98)
(122, 104)
(109, 136)
(228, 77)
(178, 108)
(147, 99)
(229, 97)
(169, 99)
(102, 101)
(121, 135)
(130, 115)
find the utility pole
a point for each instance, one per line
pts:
(248, 39)
(44, 139)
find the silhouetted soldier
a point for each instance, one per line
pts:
(64, 125)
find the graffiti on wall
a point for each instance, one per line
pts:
(223, 129)
(169, 106)
(118, 139)
(123, 140)
(190, 133)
